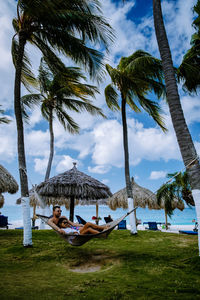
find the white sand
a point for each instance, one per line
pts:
(172, 228)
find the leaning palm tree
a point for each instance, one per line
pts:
(184, 139)
(51, 26)
(135, 77)
(59, 94)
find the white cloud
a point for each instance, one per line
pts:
(65, 164)
(40, 165)
(99, 169)
(8, 141)
(157, 175)
(105, 181)
(37, 143)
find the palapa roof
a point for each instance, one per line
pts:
(1, 200)
(59, 190)
(7, 182)
(142, 197)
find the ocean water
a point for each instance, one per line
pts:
(184, 217)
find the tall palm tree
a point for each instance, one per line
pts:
(60, 93)
(135, 77)
(62, 26)
(184, 139)
(3, 120)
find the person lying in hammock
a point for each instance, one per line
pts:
(89, 228)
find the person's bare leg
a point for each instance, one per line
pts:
(88, 230)
(96, 227)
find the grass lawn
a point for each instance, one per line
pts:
(151, 265)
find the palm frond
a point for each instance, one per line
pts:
(111, 97)
(3, 120)
(153, 109)
(27, 77)
(67, 121)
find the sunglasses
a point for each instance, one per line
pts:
(64, 222)
(59, 210)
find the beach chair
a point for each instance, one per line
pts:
(122, 224)
(108, 219)
(152, 226)
(3, 222)
(81, 220)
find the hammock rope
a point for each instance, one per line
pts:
(79, 240)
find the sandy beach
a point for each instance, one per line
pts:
(171, 229)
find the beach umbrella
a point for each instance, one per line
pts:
(73, 187)
(142, 197)
(7, 184)
(1, 200)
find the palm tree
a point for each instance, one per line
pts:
(62, 26)
(178, 187)
(59, 93)
(189, 70)
(135, 77)
(3, 120)
(184, 139)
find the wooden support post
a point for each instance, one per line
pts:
(71, 213)
(97, 213)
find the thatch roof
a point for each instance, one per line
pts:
(59, 189)
(7, 182)
(142, 197)
(1, 200)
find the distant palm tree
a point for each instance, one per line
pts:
(135, 77)
(64, 26)
(3, 120)
(60, 93)
(184, 139)
(177, 188)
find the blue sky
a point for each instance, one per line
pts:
(98, 150)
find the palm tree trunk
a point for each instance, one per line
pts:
(47, 175)
(27, 241)
(184, 139)
(127, 173)
(166, 222)
(51, 145)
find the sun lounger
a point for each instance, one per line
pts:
(122, 224)
(4, 222)
(188, 232)
(151, 226)
(81, 220)
(108, 219)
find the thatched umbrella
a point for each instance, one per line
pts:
(7, 184)
(142, 198)
(73, 187)
(1, 200)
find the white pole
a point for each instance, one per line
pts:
(132, 216)
(27, 241)
(196, 197)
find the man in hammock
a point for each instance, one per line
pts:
(89, 228)
(53, 222)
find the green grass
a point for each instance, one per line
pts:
(151, 265)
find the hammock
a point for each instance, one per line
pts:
(79, 240)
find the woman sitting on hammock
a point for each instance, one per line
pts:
(89, 228)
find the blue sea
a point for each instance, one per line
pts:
(184, 217)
